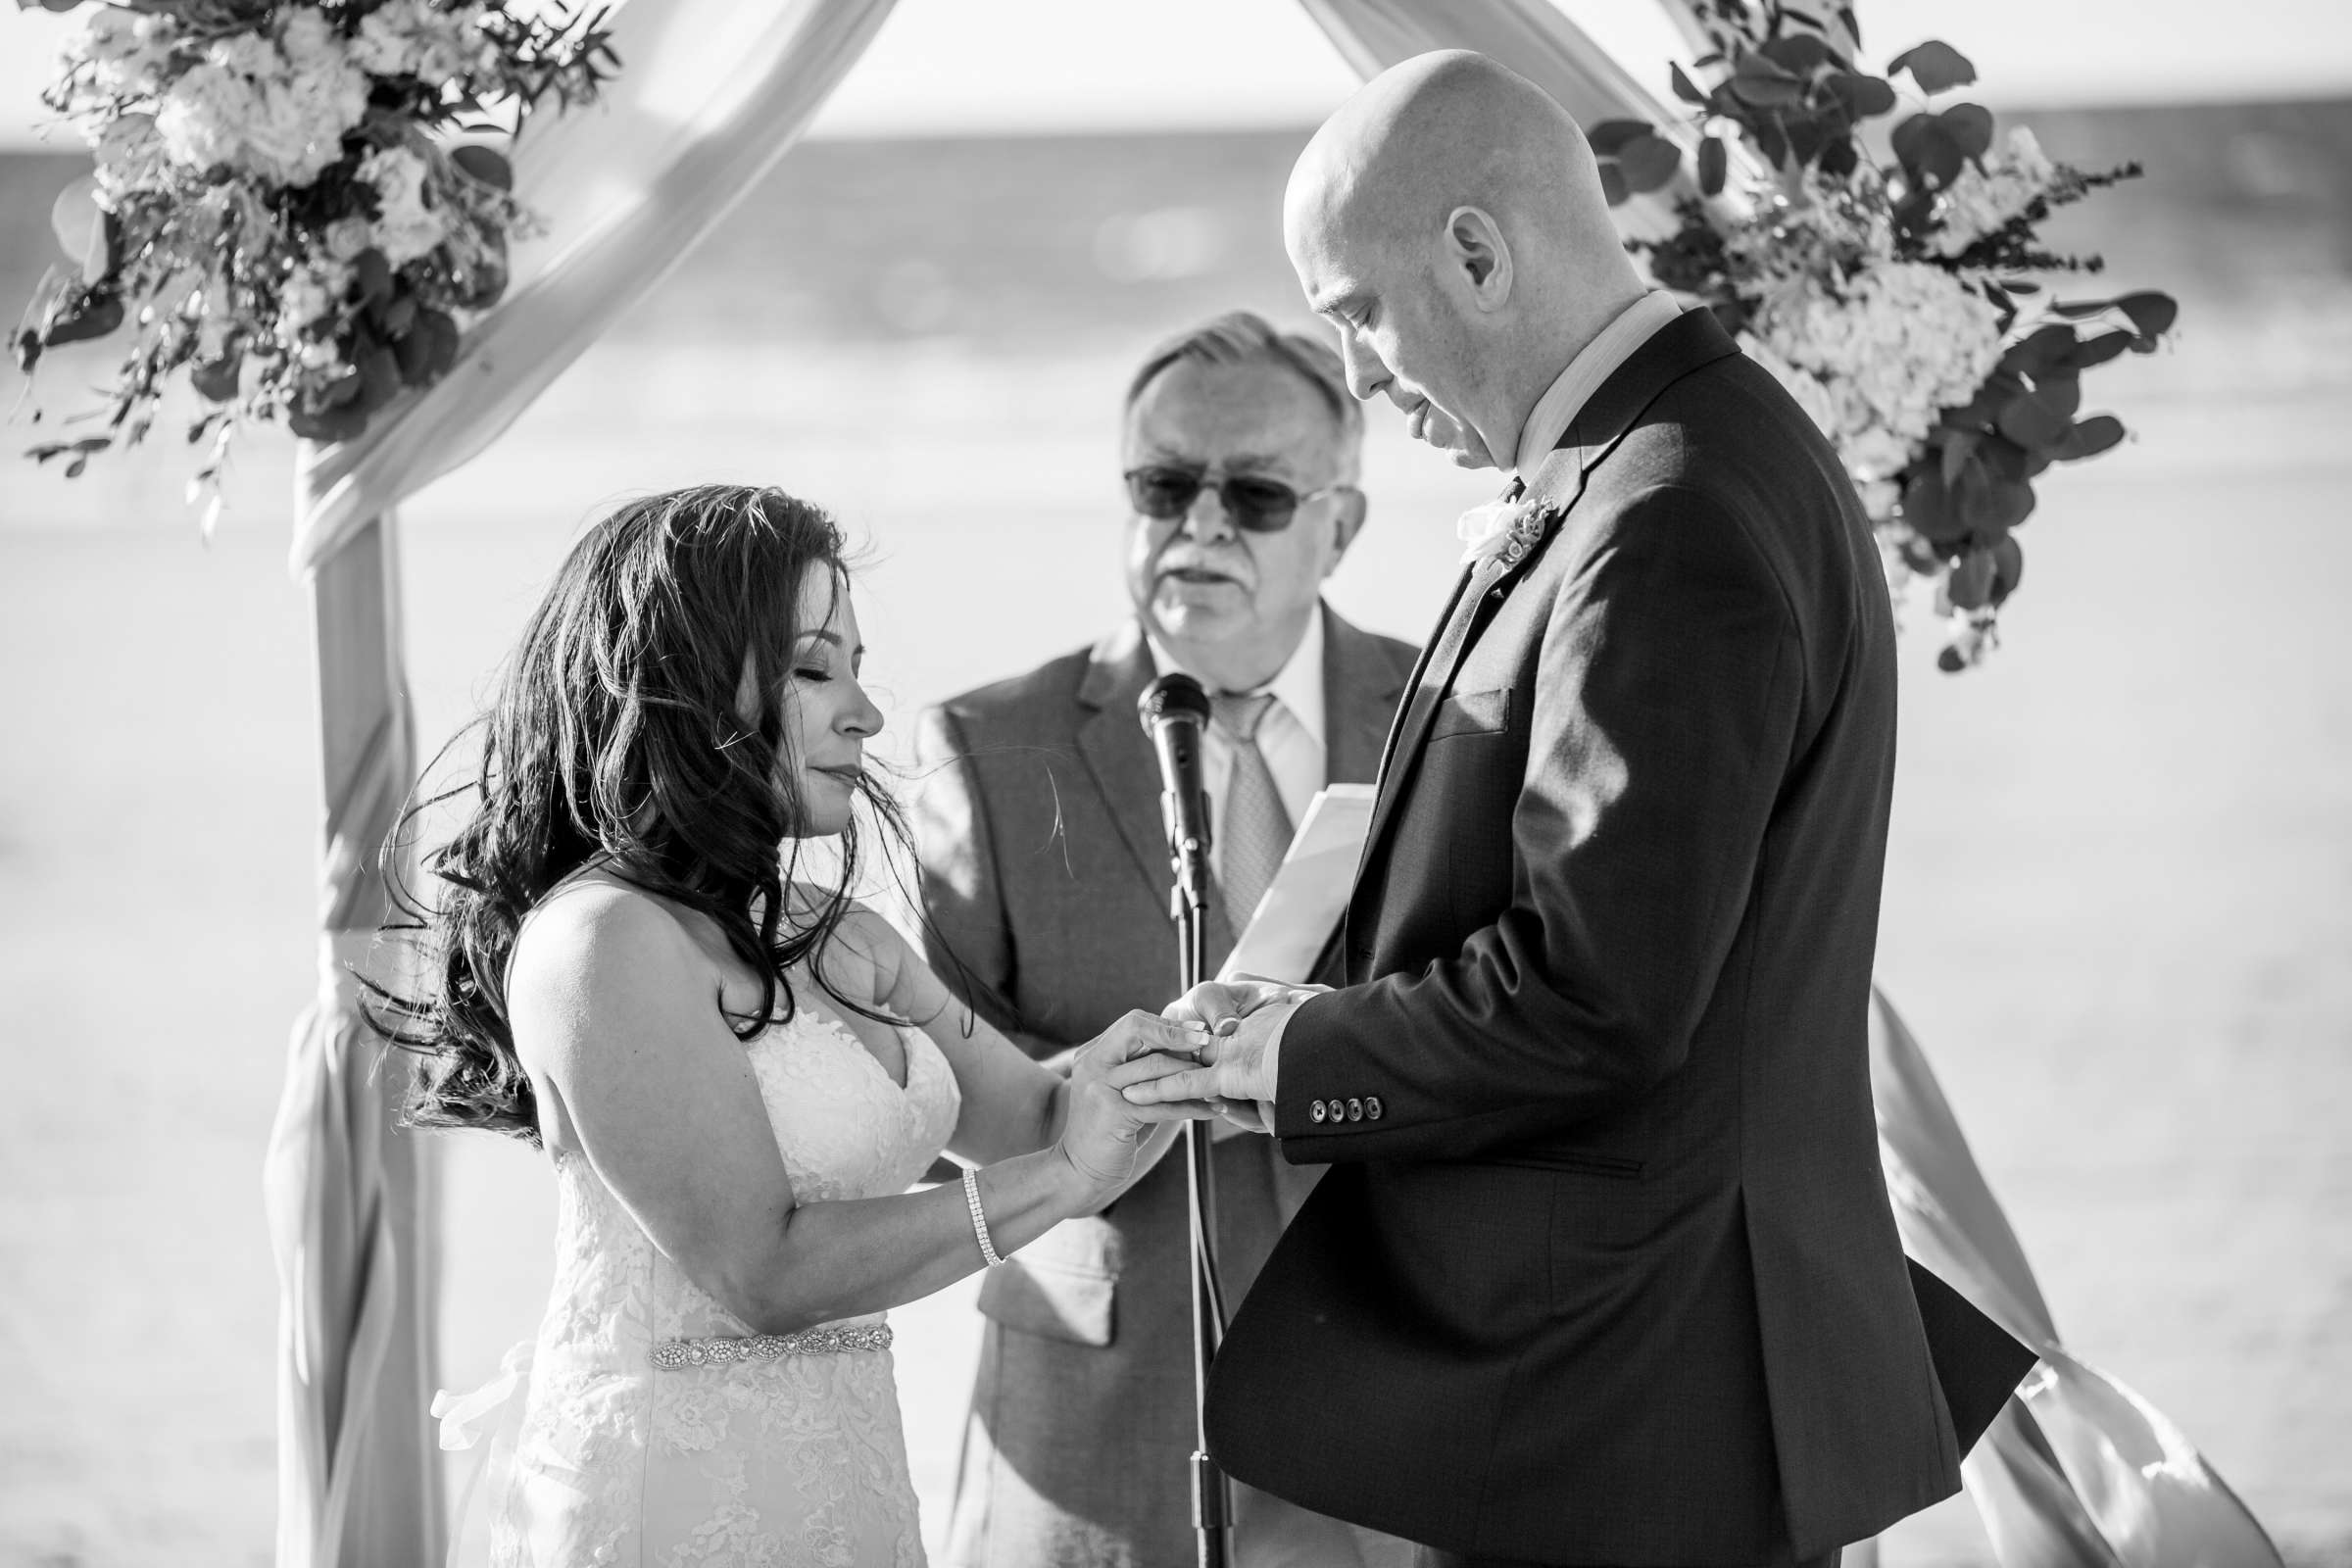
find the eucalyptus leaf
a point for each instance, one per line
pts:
(1970, 126)
(1971, 582)
(2008, 568)
(1685, 89)
(1649, 163)
(1936, 65)
(1714, 164)
(1612, 183)
(2153, 314)
(1608, 137)
(2090, 437)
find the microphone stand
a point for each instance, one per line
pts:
(1212, 1497)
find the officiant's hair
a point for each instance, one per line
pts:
(614, 737)
(1244, 338)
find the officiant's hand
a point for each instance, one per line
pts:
(1239, 1065)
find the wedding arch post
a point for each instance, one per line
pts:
(350, 1194)
(712, 93)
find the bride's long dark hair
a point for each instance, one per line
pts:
(615, 737)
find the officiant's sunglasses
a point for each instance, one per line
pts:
(1255, 505)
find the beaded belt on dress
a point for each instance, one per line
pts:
(721, 1350)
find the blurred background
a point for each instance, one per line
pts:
(2119, 900)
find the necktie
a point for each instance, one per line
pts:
(1257, 829)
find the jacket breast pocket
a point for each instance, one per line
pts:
(1472, 714)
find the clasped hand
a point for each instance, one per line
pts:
(1235, 1069)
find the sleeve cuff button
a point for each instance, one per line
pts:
(1372, 1108)
(1315, 1111)
(1355, 1110)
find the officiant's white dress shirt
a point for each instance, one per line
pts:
(1290, 737)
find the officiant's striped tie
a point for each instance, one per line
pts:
(1257, 829)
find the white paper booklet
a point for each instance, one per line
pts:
(1310, 891)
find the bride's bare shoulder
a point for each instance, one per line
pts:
(595, 934)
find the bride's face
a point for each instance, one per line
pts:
(827, 717)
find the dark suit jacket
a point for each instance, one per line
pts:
(1604, 1271)
(1045, 876)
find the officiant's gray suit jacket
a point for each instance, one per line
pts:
(1045, 876)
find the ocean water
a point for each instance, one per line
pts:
(2119, 899)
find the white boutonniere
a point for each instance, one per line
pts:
(1506, 529)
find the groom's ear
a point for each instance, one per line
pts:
(1474, 245)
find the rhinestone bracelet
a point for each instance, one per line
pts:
(971, 1199)
(673, 1355)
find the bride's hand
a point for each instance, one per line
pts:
(1103, 1134)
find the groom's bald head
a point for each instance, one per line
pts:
(1449, 218)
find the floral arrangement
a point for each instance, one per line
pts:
(1898, 301)
(273, 208)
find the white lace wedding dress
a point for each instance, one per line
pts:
(772, 1454)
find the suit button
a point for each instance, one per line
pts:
(1372, 1108)
(1355, 1110)
(1315, 1111)
(1338, 1108)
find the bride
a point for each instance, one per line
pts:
(736, 1074)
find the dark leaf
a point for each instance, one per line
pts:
(2097, 351)
(216, 379)
(1714, 162)
(2040, 350)
(484, 165)
(1971, 582)
(1840, 158)
(1970, 128)
(1685, 89)
(1937, 67)
(2151, 312)
(1649, 163)
(1799, 53)
(340, 423)
(1927, 152)
(2060, 391)
(1612, 184)
(429, 350)
(1767, 92)
(2008, 568)
(2080, 309)
(1761, 66)
(1993, 507)
(373, 276)
(398, 317)
(1951, 660)
(2090, 437)
(380, 379)
(2004, 459)
(1928, 507)
(28, 350)
(93, 316)
(1611, 136)
(2030, 423)
(1958, 451)
(2020, 286)
(1864, 97)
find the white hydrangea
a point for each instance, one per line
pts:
(414, 38)
(408, 228)
(1875, 363)
(252, 107)
(1982, 201)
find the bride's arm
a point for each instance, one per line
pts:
(614, 1011)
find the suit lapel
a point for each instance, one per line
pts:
(1362, 686)
(1693, 339)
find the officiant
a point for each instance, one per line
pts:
(1044, 877)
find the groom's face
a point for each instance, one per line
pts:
(1399, 336)
(1200, 579)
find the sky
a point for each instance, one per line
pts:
(944, 65)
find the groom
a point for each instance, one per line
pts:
(1603, 1271)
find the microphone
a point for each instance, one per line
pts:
(1173, 709)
